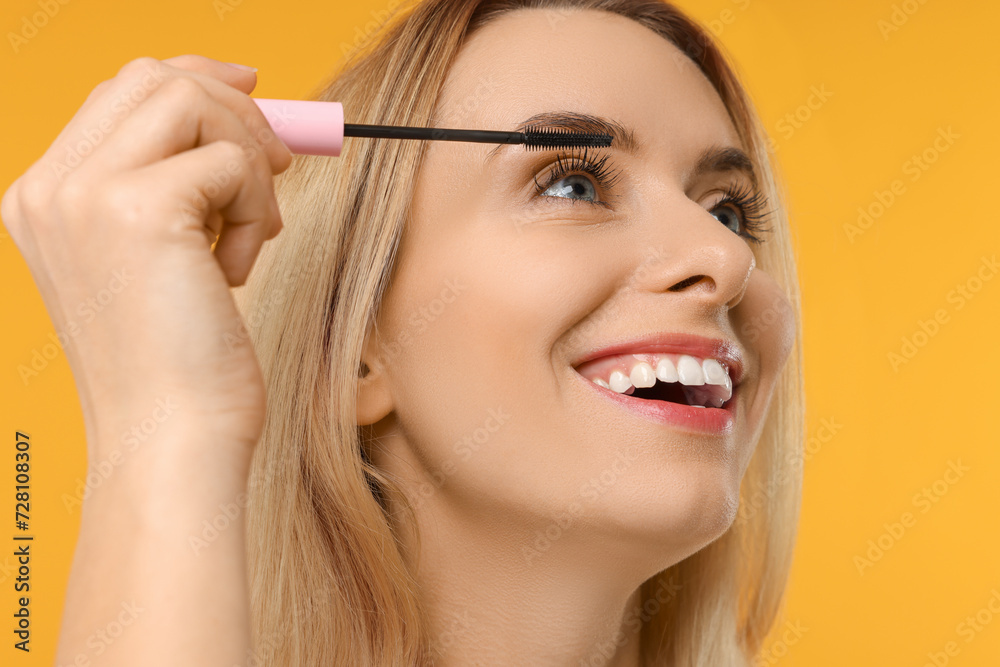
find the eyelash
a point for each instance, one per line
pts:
(749, 202)
(569, 164)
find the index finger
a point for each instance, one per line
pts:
(115, 99)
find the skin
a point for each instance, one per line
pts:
(144, 199)
(541, 284)
(540, 281)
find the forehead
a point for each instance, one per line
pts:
(535, 60)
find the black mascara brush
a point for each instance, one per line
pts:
(317, 128)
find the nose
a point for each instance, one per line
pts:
(694, 253)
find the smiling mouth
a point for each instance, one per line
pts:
(704, 397)
(675, 392)
(696, 409)
(672, 378)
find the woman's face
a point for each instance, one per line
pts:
(478, 394)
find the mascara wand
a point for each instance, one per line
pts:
(311, 127)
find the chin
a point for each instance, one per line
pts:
(688, 513)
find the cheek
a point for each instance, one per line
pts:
(765, 316)
(765, 323)
(470, 327)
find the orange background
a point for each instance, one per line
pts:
(887, 107)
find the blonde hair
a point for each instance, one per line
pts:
(328, 582)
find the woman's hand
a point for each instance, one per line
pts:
(116, 221)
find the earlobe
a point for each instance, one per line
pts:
(374, 397)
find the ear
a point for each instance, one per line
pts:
(374, 397)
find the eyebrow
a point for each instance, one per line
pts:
(623, 138)
(719, 159)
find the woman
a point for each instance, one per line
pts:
(465, 456)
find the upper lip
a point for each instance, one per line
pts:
(722, 350)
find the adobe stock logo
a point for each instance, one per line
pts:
(924, 500)
(915, 167)
(968, 629)
(899, 17)
(795, 119)
(30, 27)
(88, 309)
(962, 293)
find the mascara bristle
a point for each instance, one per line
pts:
(562, 138)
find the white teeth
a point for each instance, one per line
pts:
(666, 371)
(642, 375)
(714, 372)
(689, 371)
(619, 382)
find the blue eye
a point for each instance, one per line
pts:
(743, 211)
(742, 208)
(573, 186)
(563, 183)
(728, 216)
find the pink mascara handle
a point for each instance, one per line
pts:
(307, 127)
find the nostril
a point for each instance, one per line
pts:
(687, 282)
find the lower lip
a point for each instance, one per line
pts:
(716, 421)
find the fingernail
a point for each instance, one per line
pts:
(243, 67)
